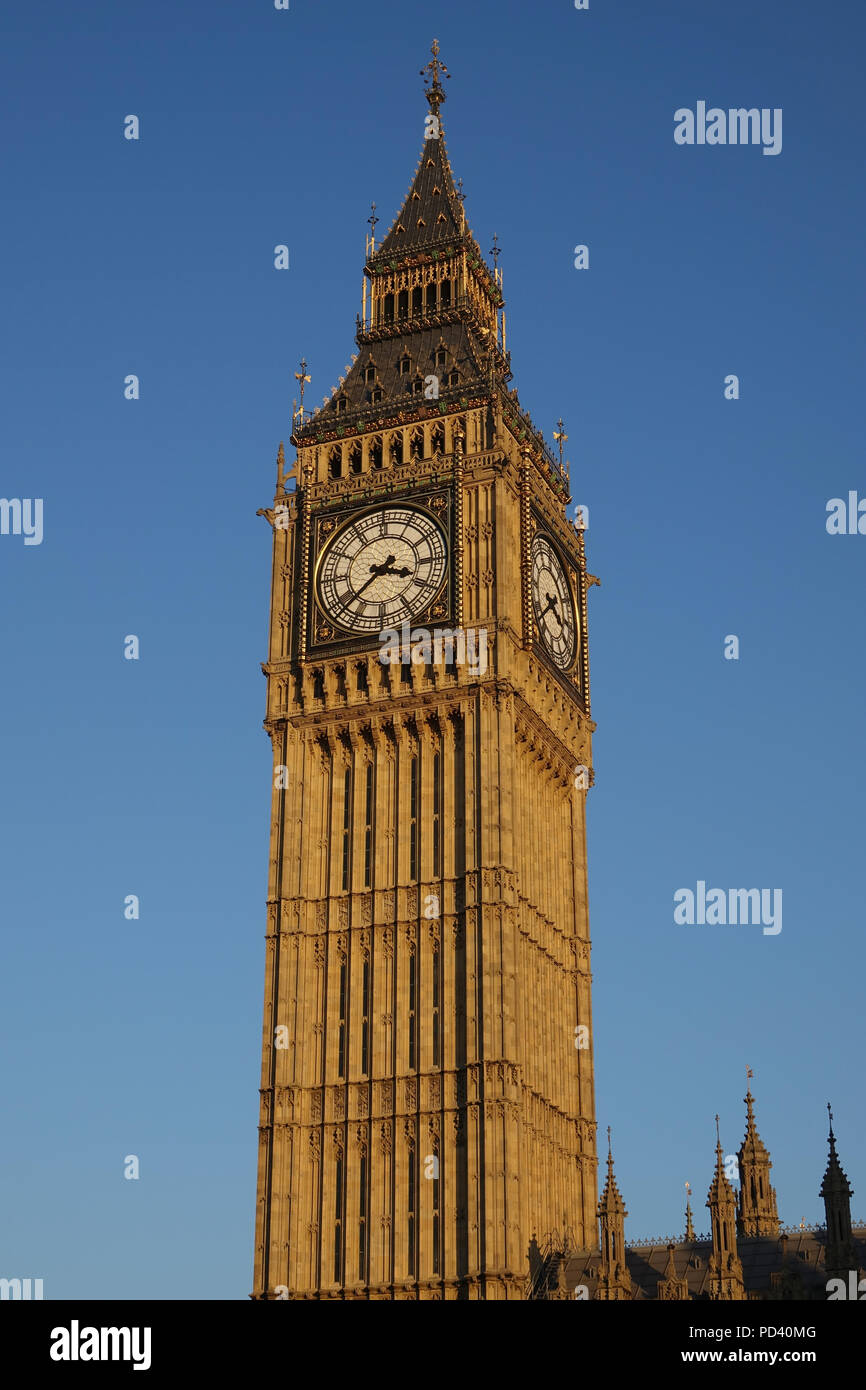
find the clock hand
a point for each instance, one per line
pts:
(375, 571)
(551, 604)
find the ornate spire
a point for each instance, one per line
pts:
(690, 1230)
(614, 1281)
(726, 1271)
(757, 1214)
(837, 1193)
(431, 73)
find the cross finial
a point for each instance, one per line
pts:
(303, 378)
(609, 1151)
(560, 436)
(432, 85)
(718, 1136)
(830, 1113)
(688, 1189)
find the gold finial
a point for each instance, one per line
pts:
(303, 378)
(560, 436)
(433, 88)
(372, 219)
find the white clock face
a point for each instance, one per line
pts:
(552, 604)
(381, 568)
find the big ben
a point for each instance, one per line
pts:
(427, 1104)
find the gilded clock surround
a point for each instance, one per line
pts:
(424, 1110)
(436, 503)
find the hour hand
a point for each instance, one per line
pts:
(375, 571)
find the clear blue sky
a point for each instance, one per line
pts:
(707, 518)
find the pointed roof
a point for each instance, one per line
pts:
(835, 1183)
(690, 1229)
(753, 1147)
(611, 1202)
(432, 212)
(720, 1189)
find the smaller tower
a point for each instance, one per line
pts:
(690, 1229)
(614, 1280)
(726, 1271)
(672, 1288)
(840, 1255)
(757, 1214)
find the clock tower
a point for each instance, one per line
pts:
(427, 1107)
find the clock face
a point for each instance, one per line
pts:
(552, 604)
(382, 567)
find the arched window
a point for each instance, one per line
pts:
(417, 301)
(410, 1207)
(437, 440)
(403, 304)
(347, 825)
(335, 461)
(431, 297)
(395, 452)
(388, 309)
(416, 444)
(362, 1215)
(368, 827)
(445, 294)
(355, 457)
(365, 1017)
(338, 1218)
(375, 453)
(341, 1042)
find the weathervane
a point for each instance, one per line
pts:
(495, 251)
(434, 90)
(560, 436)
(372, 219)
(303, 378)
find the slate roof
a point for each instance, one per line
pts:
(431, 212)
(800, 1273)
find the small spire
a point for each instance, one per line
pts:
(560, 436)
(303, 378)
(690, 1230)
(371, 240)
(432, 86)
